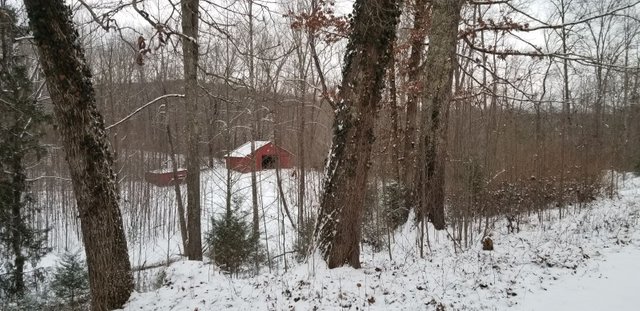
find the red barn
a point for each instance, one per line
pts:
(266, 156)
(165, 178)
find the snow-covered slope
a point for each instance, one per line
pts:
(547, 262)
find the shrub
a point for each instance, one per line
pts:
(26, 303)
(395, 204)
(373, 222)
(70, 282)
(636, 169)
(232, 244)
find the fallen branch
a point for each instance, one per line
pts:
(155, 265)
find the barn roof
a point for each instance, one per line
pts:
(245, 149)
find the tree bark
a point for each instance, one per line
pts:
(190, 51)
(368, 53)
(302, 182)
(439, 68)
(414, 79)
(17, 225)
(254, 126)
(90, 162)
(184, 235)
(395, 128)
(254, 187)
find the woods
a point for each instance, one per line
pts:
(450, 120)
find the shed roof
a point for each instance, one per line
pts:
(245, 149)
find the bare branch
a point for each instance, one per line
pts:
(526, 28)
(143, 107)
(47, 177)
(316, 62)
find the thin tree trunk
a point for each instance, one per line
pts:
(254, 187)
(17, 223)
(90, 161)
(566, 106)
(441, 62)
(190, 50)
(302, 183)
(254, 126)
(625, 99)
(393, 102)
(367, 56)
(283, 198)
(176, 185)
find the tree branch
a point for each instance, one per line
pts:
(142, 108)
(526, 28)
(316, 62)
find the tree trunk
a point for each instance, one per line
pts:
(440, 64)
(176, 187)
(16, 226)
(395, 128)
(302, 183)
(254, 128)
(190, 50)
(254, 188)
(418, 35)
(90, 162)
(368, 53)
(566, 105)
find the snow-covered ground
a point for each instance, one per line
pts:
(612, 283)
(151, 225)
(589, 260)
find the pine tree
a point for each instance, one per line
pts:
(21, 127)
(71, 281)
(232, 242)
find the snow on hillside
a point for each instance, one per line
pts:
(152, 241)
(555, 262)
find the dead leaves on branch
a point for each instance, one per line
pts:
(160, 36)
(322, 22)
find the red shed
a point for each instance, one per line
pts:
(266, 156)
(164, 177)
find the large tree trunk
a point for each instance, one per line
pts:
(414, 79)
(190, 50)
(90, 162)
(439, 68)
(368, 53)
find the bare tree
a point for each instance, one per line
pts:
(190, 53)
(368, 53)
(414, 81)
(90, 161)
(439, 68)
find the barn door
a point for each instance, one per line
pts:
(269, 161)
